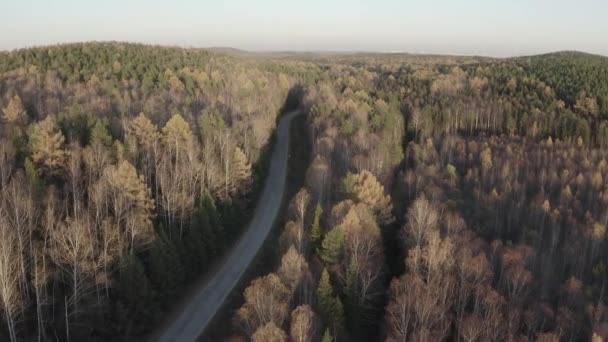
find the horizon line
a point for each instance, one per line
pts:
(295, 51)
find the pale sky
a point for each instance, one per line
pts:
(484, 27)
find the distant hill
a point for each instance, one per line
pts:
(571, 73)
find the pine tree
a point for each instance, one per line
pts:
(195, 256)
(165, 268)
(145, 132)
(215, 222)
(351, 290)
(352, 286)
(136, 290)
(338, 317)
(331, 248)
(177, 137)
(47, 145)
(330, 307)
(209, 240)
(131, 202)
(211, 122)
(100, 134)
(231, 219)
(325, 295)
(316, 231)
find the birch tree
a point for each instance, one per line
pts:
(10, 280)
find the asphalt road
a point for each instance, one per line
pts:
(204, 304)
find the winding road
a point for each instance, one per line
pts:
(205, 303)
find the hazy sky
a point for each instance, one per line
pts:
(488, 27)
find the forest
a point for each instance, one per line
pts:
(447, 198)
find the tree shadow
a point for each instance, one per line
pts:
(293, 99)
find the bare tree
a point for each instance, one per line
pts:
(422, 217)
(303, 324)
(10, 284)
(20, 212)
(75, 178)
(266, 300)
(72, 250)
(299, 205)
(7, 161)
(293, 269)
(363, 245)
(14, 113)
(269, 333)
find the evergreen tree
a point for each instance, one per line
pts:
(145, 132)
(338, 317)
(356, 310)
(195, 254)
(351, 289)
(215, 222)
(47, 145)
(330, 307)
(177, 137)
(331, 248)
(208, 238)
(325, 295)
(165, 268)
(136, 291)
(316, 231)
(231, 217)
(211, 123)
(100, 134)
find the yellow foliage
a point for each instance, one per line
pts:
(546, 206)
(144, 131)
(14, 112)
(597, 180)
(580, 141)
(46, 141)
(486, 159)
(269, 333)
(599, 231)
(124, 177)
(364, 187)
(241, 171)
(177, 136)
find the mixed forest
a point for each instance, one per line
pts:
(446, 199)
